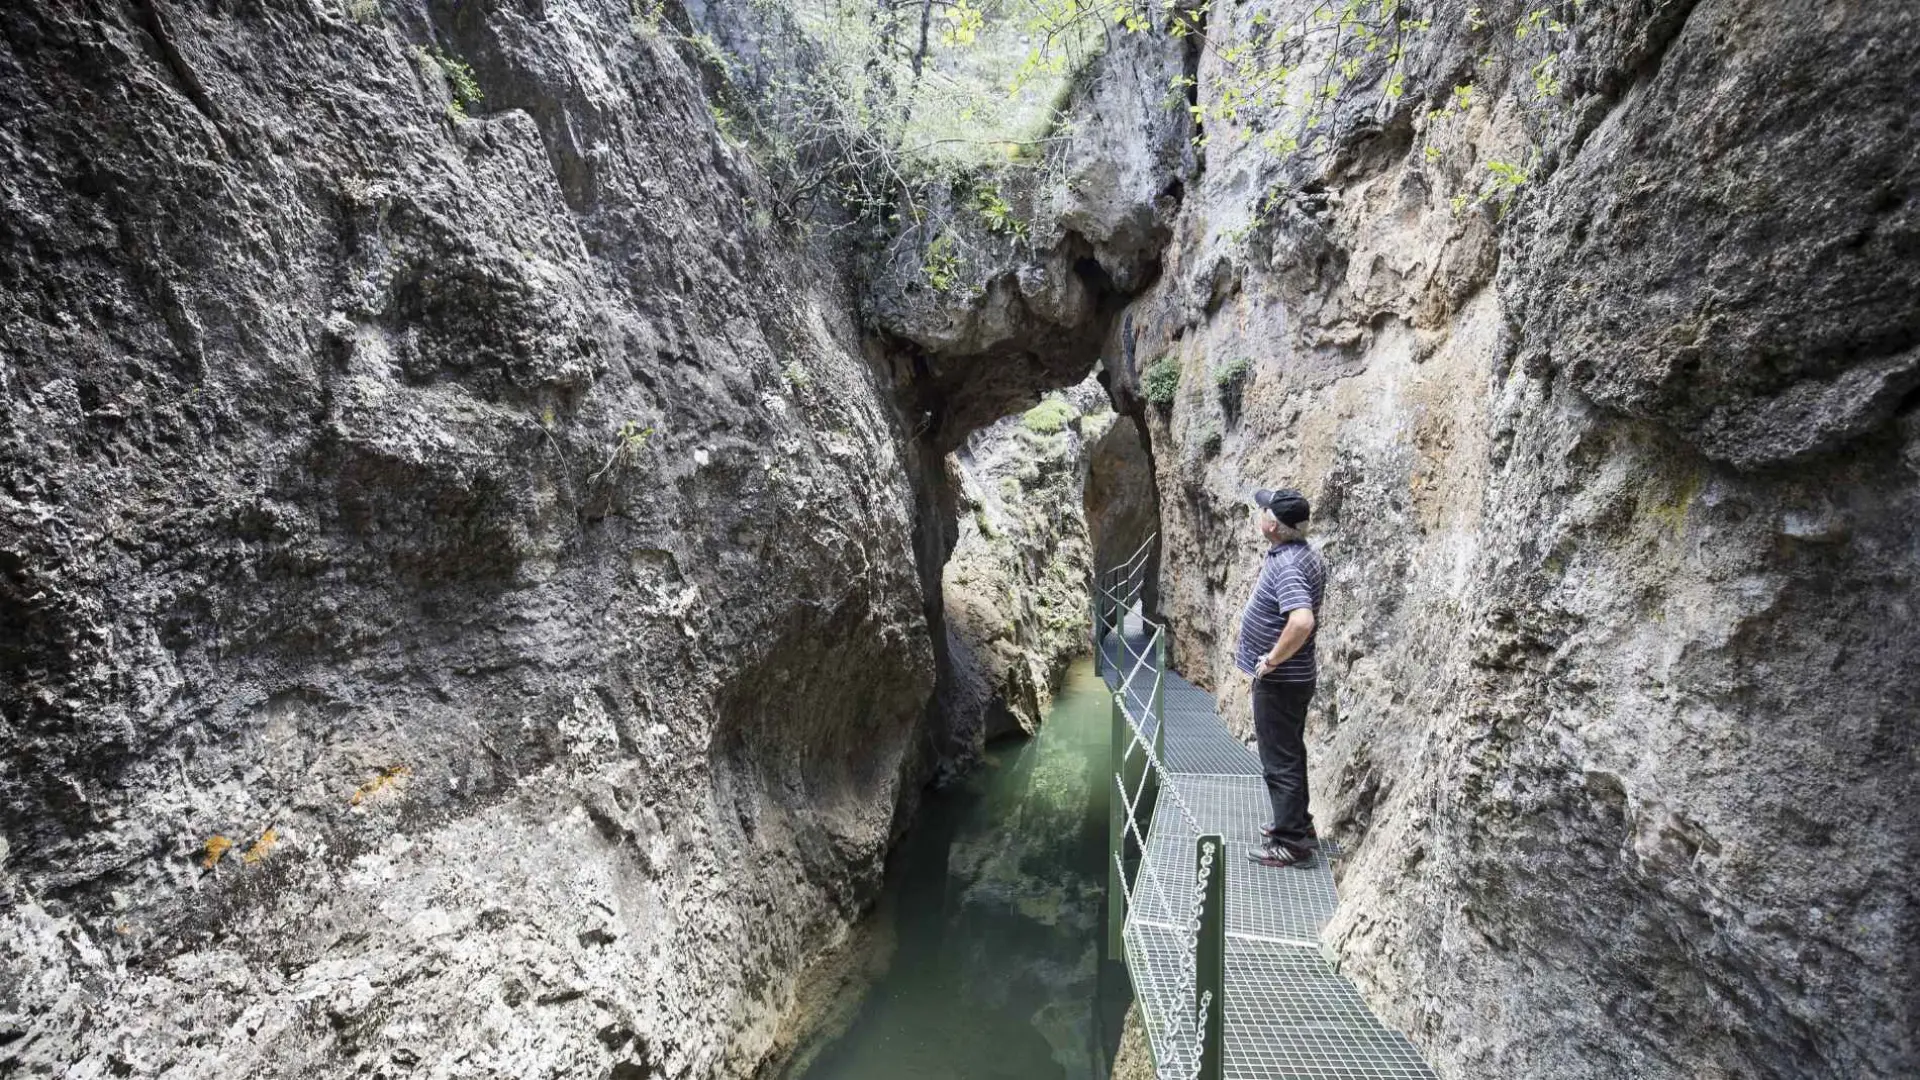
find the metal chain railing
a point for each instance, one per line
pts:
(1188, 988)
(1187, 1030)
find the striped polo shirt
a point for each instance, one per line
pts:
(1293, 576)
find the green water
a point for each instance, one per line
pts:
(995, 910)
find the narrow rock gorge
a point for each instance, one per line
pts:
(472, 573)
(1015, 587)
(488, 560)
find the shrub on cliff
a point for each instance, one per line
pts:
(861, 110)
(1048, 417)
(1161, 381)
(1230, 379)
(460, 81)
(1229, 375)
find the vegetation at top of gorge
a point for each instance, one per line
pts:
(884, 98)
(888, 100)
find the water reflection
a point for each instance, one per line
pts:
(996, 905)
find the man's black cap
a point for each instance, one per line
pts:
(1287, 504)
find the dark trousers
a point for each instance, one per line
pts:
(1280, 726)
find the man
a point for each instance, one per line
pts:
(1276, 649)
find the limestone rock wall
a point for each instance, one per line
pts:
(460, 615)
(1016, 586)
(1122, 506)
(1031, 311)
(1618, 491)
(471, 584)
(471, 575)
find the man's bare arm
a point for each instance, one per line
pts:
(1292, 636)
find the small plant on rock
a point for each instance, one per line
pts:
(985, 523)
(1047, 417)
(626, 446)
(722, 122)
(1499, 188)
(942, 263)
(1505, 182)
(1160, 383)
(999, 213)
(644, 16)
(1230, 379)
(466, 91)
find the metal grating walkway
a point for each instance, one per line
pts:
(1288, 1014)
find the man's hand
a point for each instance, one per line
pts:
(1292, 636)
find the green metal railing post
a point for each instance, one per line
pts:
(1160, 697)
(1210, 959)
(1117, 837)
(1103, 617)
(1098, 646)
